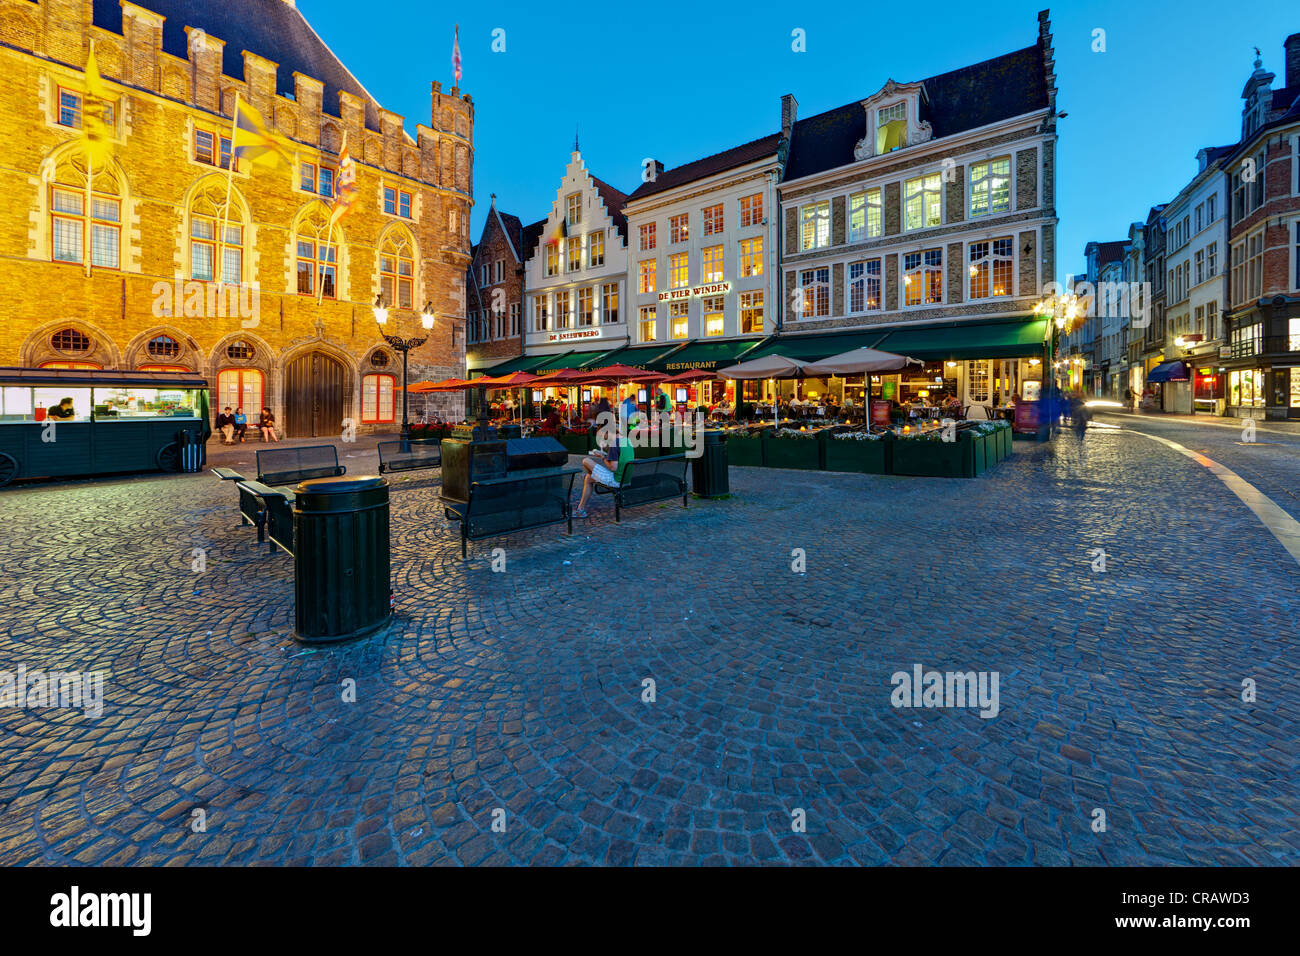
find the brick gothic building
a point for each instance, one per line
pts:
(495, 289)
(173, 70)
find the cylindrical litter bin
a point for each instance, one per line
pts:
(341, 560)
(709, 477)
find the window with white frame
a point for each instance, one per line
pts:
(679, 271)
(562, 309)
(711, 264)
(679, 315)
(923, 201)
(596, 249)
(1212, 260)
(864, 285)
(516, 318)
(923, 277)
(647, 320)
(609, 303)
(573, 215)
(552, 258)
(679, 228)
(713, 219)
(574, 246)
(990, 187)
(864, 215)
(751, 257)
(1255, 265)
(815, 225)
(890, 138)
(751, 312)
(647, 236)
(541, 313)
(813, 295)
(1199, 259)
(585, 314)
(713, 314)
(990, 267)
(1239, 272)
(751, 210)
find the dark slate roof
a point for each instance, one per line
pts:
(532, 233)
(709, 165)
(613, 200)
(514, 229)
(1110, 251)
(1218, 152)
(974, 96)
(270, 28)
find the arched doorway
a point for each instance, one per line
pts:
(314, 405)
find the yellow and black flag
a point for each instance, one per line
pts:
(253, 140)
(96, 114)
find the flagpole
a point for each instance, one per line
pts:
(219, 267)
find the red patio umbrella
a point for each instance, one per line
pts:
(566, 378)
(511, 380)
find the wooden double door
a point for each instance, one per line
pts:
(315, 397)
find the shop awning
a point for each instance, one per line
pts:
(952, 341)
(523, 363)
(813, 347)
(638, 356)
(1168, 372)
(709, 355)
(552, 363)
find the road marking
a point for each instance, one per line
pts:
(1285, 528)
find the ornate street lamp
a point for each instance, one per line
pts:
(1065, 310)
(404, 346)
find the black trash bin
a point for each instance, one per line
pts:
(709, 477)
(341, 560)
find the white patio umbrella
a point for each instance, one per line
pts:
(864, 362)
(769, 366)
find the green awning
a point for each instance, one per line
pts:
(522, 363)
(637, 356)
(813, 347)
(554, 363)
(951, 341)
(707, 354)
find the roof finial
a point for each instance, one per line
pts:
(575, 138)
(1258, 62)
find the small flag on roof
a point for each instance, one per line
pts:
(455, 55)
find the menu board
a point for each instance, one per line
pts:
(880, 413)
(1027, 418)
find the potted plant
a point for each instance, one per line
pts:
(576, 441)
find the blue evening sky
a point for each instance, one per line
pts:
(679, 80)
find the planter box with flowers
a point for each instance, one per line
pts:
(927, 455)
(791, 448)
(576, 441)
(745, 447)
(859, 451)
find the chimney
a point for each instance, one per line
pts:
(656, 170)
(789, 113)
(1292, 46)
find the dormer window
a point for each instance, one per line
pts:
(891, 128)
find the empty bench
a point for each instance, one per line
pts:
(409, 455)
(516, 501)
(646, 480)
(267, 503)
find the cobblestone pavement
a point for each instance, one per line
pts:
(1119, 691)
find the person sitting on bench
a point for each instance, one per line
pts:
(603, 468)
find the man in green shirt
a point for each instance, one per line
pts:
(604, 468)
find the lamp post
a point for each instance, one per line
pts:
(404, 346)
(1062, 309)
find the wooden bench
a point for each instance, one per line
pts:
(646, 480)
(409, 455)
(516, 501)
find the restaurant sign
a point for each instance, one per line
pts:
(570, 336)
(711, 288)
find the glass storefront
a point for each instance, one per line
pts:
(1246, 388)
(24, 403)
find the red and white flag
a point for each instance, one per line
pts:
(345, 186)
(455, 55)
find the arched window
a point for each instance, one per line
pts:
(70, 341)
(207, 212)
(76, 223)
(379, 359)
(317, 256)
(165, 368)
(240, 351)
(377, 403)
(163, 347)
(397, 270)
(72, 365)
(240, 388)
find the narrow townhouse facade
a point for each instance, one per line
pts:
(1155, 240)
(575, 275)
(494, 284)
(1262, 356)
(1137, 317)
(81, 282)
(1102, 303)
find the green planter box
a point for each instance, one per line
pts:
(744, 451)
(1007, 447)
(803, 453)
(976, 462)
(869, 457)
(933, 459)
